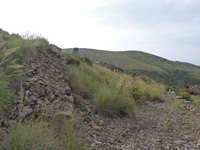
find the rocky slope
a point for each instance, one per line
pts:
(173, 124)
(45, 88)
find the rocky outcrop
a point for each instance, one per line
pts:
(193, 89)
(45, 87)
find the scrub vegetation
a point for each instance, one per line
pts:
(27, 134)
(138, 63)
(112, 92)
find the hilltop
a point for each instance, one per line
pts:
(140, 63)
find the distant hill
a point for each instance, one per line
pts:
(140, 63)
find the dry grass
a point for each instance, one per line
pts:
(32, 136)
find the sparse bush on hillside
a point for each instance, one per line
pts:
(27, 47)
(149, 88)
(104, 87)
(113, 101)
(196, 100)
(71, 138)
(13, 53)
(76, 60)
(6, 93)
(114, 93)
(186, 96)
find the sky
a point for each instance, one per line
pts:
(166, 28)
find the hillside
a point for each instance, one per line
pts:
(50, 100)
(140, 63)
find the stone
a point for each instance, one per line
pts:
(55, 49)
(99, 143)
(26, 111)
(87, 119)
(65, 113)
(101, 122)
(32, 79)
(71, 99)
(96, 127)
(198, 144)
(179, 97)
(33, 98)
(20, 106)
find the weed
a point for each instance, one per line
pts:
(149, 88)
(32, 136)
(196, 100)
(107, 89)
(170, 125)
(97, 122)
(113, 102)
(71, 138)
(186, 96)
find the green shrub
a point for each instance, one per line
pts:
(27, 46)
(73, 60)
(72, 139)
(114, 102)
(76, 60)
(2, 134)
(6, 93)
(13, 54)
(83, 80)
(186, 96)
(105, 87)
(196, 100)
(32, 136)
(150, 89)
(111, 92)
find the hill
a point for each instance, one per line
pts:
(140, 63)
(53, 101)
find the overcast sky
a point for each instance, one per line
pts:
(167, 28)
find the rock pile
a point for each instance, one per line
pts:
(193, 89)
(45, 87)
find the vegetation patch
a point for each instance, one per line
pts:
(14, 50)
(138, 63)
(103, 87)
(112, 92)
(32, 136)
(196, 100)
(186, 96)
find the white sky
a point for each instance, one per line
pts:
(110, 24)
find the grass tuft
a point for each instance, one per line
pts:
(32, 136)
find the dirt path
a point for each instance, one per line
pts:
(173, 124)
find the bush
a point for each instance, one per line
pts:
(106, 88)
(150, 89)
(111, 92)
(13, 54)
(114, 102)
(186, 96)
(6, 93)
(72, 139)
(196, 100)
(76, 60)
(27, 46)
(84, 80)
(32, 136)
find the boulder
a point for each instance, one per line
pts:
(54, 49)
